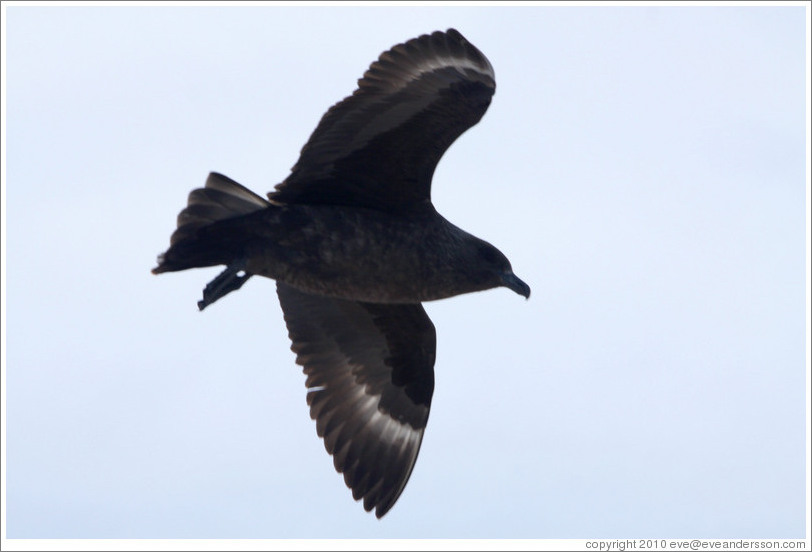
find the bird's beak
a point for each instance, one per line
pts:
(511, 281)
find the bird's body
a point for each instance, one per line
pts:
(355, 245)
(325, 250)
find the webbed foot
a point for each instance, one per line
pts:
(231, 279)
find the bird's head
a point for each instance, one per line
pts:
(494, 270)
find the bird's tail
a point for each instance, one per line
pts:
(195, 243)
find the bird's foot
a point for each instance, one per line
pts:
(231, 279)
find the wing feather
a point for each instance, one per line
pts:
(370, 375)
(378, 148)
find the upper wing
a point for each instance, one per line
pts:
(370, 379)
(378, 148)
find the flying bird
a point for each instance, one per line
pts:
(355, 246)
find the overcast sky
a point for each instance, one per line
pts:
(642, 167)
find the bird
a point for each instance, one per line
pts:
(355, 246)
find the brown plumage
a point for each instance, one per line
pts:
(355, 245)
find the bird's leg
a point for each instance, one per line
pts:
(231, 279)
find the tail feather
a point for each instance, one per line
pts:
(221, 199)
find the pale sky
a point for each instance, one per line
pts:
(642, 167)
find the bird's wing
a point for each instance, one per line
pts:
(378, 147)
(370, 378)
